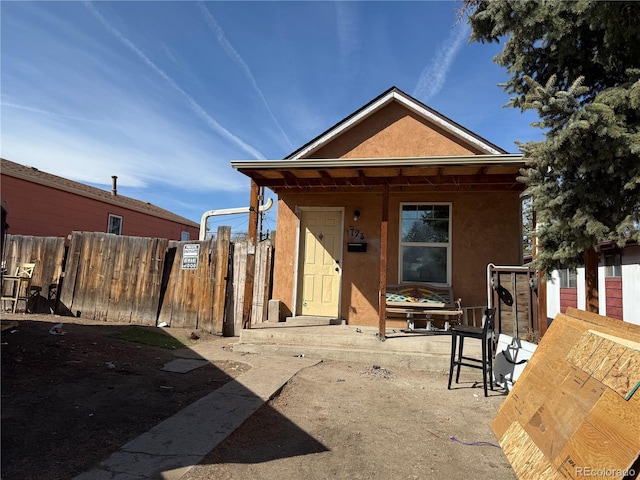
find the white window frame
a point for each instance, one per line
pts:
(447, 245)
(568, 278)
(185, 236)
(110, 226)
(613, 265)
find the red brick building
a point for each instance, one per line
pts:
(45, 205)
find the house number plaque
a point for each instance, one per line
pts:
(356, 234)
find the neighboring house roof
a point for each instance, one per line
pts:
(32, 174)
(394, 94)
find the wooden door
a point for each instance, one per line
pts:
(319, 266)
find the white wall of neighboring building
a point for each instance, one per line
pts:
(582, 293)
(630, 288)
(553, 295)
(602, 298)
(631, 284)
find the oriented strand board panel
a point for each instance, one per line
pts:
(575, 410)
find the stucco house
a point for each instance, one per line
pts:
(46, 205)
(394, 193)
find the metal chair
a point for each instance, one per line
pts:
(18, 285)
(485, 335)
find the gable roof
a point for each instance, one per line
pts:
(394, 94)
(490, 167)
(32, 174)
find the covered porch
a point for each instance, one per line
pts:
(372, 186)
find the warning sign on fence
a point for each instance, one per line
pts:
(190, 252)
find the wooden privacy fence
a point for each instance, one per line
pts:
(148, 281)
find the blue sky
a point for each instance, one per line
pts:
(165, 94)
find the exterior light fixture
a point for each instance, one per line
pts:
(356, 215)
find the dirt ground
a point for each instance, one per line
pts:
(64, 409)
(340, 420)
(69, 401)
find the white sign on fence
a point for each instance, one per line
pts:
(190, 252)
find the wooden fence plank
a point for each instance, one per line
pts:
(132, 279)
(85, 290)
(234, 316)
(148, 277)
(117, 287)
(81, 295)
(70, 274)
(104, 276)
(262, 282)
(206, 289)
(169, 299)
(183, 300)
(220, 287)
(157, 269)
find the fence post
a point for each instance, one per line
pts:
(251, 255)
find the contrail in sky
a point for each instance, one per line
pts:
(346, 29)
(46, 112)
(433, 76)
(233, 54)
(197, 109)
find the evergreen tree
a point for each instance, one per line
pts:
(578, 65)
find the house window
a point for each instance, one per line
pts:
(184, 236)
(425, 242)
(115, 224)
(568, 278)
(612, 265)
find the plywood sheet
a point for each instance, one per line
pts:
(612, 360)
(529, 462)
(575, 410)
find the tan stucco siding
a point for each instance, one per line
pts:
(284, 260)
(485, 229)
(398, 130)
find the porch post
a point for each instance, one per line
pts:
(384, 244)
(251, 255)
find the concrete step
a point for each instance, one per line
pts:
(430, 352)
(309, 320)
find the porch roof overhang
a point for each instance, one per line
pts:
(458, 172)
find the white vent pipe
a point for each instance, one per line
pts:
(228, 211)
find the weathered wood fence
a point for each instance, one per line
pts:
(147, 281)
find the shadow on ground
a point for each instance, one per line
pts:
(70, 402)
